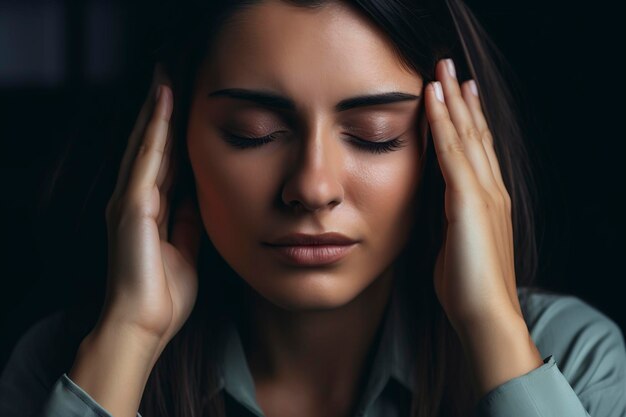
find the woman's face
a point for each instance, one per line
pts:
(313, 177)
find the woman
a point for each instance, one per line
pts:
(275, 123)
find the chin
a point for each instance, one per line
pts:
(309, 294)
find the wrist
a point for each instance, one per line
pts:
(123, 314)
(112, 365)
(499, 350)
(137, 343)
(501, 322)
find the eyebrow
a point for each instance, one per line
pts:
(267, 99)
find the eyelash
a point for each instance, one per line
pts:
(372, 147)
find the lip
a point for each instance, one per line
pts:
(312, 255)
(312, 250)
(302, 239)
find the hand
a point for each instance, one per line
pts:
(474, 276)
(152, 280)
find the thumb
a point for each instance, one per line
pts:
(187, 230)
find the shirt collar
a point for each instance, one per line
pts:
(394, 358)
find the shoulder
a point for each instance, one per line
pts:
(43, 330)
(41, 355)
(587, 345)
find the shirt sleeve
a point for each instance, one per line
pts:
(36, 361)
(593, 381)
(69, 400)
(34, 381)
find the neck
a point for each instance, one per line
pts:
(320, 355)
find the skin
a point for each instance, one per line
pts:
(305, 316)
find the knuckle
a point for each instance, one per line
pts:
(440, 120)
(485, 200)
(500, 200)
(454, 147)
(148, 147)
(507, 202)
(143, 148)
(486, 136)
(471, 133)
(132, 205)
(478, 201)
(487, 203)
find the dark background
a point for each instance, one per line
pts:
(73, 76)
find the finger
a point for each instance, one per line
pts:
(186, 231)
(464, 124)
(164, 213)
(136, 135)
(150, 154)
(476, 153)
(455, 168)
(164, 184)
(470, 94)
(165, 191)
(166, 165)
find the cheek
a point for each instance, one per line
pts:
(233, 191)
(388, 182)
(214, 176)
(386, 190)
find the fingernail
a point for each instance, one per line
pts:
(158, 93)
(438, 90)
(450, 66)
(473, 87)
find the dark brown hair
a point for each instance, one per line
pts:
(183, 381)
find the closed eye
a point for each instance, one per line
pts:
(378, 147)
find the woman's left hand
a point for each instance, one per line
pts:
(474, 276)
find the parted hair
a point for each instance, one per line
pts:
(184, 381)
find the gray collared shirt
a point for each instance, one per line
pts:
(391, 379)
(589, 380)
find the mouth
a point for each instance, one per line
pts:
(303, 239)
(312, 255)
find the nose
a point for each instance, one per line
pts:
(313, 181)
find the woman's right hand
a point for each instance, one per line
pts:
(152, 280)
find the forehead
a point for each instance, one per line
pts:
(313, 55)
